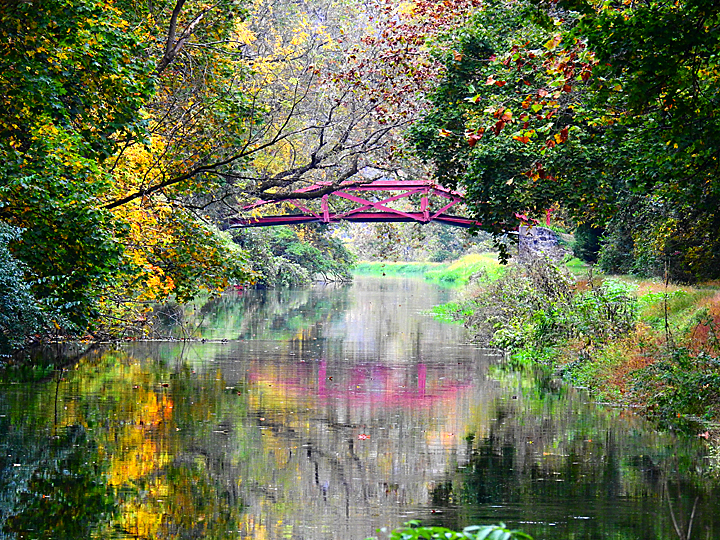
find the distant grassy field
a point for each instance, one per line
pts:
(456, 273)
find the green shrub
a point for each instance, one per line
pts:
(21, 315)
(587, 242)
(440, 255)
(681, 389)
(536, 306)
(521, 308)
(603, 313)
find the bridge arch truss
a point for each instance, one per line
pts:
(435, 204)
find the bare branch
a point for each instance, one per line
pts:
(173, 46)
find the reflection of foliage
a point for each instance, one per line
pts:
(195, 504)
(145, 458)
(166, 463)
(255, 313)
(549, 445)
(66, 497)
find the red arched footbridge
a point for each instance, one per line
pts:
(435, 201)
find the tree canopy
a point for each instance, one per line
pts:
(601, 109)
(130, 129)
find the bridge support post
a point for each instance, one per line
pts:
(325, 209)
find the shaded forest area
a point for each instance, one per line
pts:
(132, 131)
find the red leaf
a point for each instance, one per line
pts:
(474, 136)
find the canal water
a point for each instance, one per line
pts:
(330, 413)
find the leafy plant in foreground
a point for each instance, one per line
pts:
(413, 531)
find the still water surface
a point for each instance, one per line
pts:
(328, 413)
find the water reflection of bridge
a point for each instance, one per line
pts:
(351, 443)
(434, 203)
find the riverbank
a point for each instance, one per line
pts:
(666, 365)
(635, 343)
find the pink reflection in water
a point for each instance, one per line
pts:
(407, 386)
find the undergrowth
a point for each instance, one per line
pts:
(651, 346)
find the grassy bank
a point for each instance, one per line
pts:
(635, 343)
(456, 273)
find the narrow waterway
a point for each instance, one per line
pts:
(329, 413)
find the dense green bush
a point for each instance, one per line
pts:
(522, 306)
(587, 242)
(294, 256)
(20, 313)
